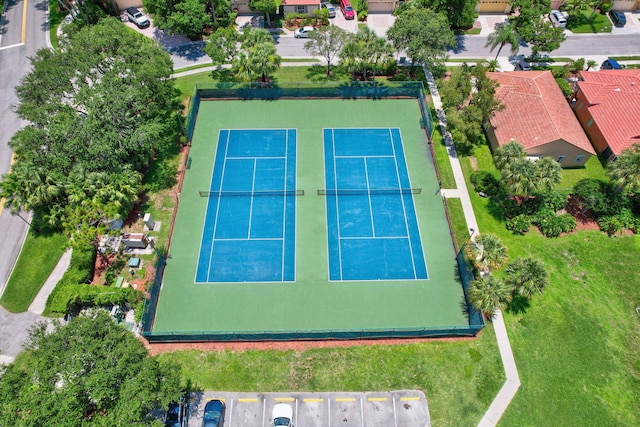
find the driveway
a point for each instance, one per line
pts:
(14, 329)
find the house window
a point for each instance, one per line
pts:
(590, 122)
(579, 106)
(302, 9)
(560, 158)
(580, 158)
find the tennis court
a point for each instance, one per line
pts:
(220, 292)
(249, 227)
(372, 225)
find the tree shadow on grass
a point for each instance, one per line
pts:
(222, 75)
(519, 304)
(318, 73)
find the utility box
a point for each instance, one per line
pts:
(148, 221)
(135, 241)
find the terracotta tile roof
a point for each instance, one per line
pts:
(613, 98)
(536, 112)
(301, 3)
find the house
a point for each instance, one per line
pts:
(537, 115)
(300, 6)
(504, 6)
(608, 108)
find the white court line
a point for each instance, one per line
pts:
(253, 188)
(366, 178)
(404, 210)
(284, 202)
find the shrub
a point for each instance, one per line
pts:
(362, 15)
(511, 207)
(552, 225)
(486, 183)
(519, 224)
(610, 224)
(554, 200)
(387, 68)
(565, 87)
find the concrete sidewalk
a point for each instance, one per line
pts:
(40, 301)
(511, 385)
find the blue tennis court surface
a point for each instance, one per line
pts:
(249, 228)
(371, 222)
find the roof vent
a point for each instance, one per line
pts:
(617, 89)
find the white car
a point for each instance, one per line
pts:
(303, 33)
(282, 415)
(558, 18)
(330, 8)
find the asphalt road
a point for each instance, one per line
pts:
(23, 31)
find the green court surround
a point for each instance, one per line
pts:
(311, 303)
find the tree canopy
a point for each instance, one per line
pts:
(625, 170)
(256, 57)
(326, 42)
(190, 17)
(424, 35)
(532, 25)
(99, 111)
(460, 13)
(363, 51)
(88, 372)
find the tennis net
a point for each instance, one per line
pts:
(255, 193)
(367, 192)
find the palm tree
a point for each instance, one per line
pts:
(487, 252)
(549, 174)
(492, 66)
(489, 295)
(264, 59)
(349, 57)
(508, 153)
(504, 33)
(520, 177)
(591, 63)
(241, 67)
(380, 49)
(526, 276)
(625, 170)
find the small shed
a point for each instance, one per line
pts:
(135, 241)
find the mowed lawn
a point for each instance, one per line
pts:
(575, 346)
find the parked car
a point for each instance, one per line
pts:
(330, 7)
(523, 66)
(618, 18)
(347, 10)
(303, 33)
(282, 415)
(610, 64)
(137, 17)
(213, 414)
(558, 19)
(175, 415)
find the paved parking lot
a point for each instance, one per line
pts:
(404, 408)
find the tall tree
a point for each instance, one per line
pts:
(484, 96)
(549, 175)
(625, 170)
(487, 252)
(507, 153)
(526, 276)
(533, 26)
(264, 59)
(326, 42)
(460, 13)
(88, 372)
(489, 294)
(268, 7)
(108, 109)
(424, 35)
(455, 92)
(190, 18)
(223, 45)
(505, 33)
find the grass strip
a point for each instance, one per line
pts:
(55, 19)
(460, 378)
(38, 257)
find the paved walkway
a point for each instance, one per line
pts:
(40, 301)
(511, 385)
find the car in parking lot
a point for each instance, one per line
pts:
(610, 64)
(137, 17)
(282, 415)
(175, 415)
(330, 7)
(303, 33)
(618, 18)
(523, 66)
(557, 18)
(213, 413)
(347, 10)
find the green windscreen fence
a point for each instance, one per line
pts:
(307, 90)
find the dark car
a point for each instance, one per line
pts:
(175, 415)
(213, 414)
(618, 18)
(610, 64)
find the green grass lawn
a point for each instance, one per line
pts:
(442, 158)
(575, 347)
(459, 378)
(39, 256)
(55, 19)
(589, 22)
(592, 169)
